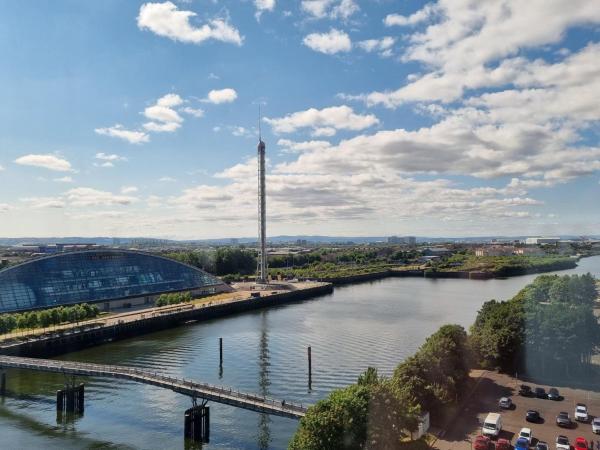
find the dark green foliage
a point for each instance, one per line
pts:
(234, 260)
(47, 317)
(338, 422)
(200, 259)
(497, 334)
(436, 374)
(506, 266)
(547, 328)
(173, 298)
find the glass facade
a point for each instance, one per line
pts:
(94, 276)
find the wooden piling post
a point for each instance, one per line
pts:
(81, 398)
(70, 399)
(60, 400)
(206, 425)
(309, 368)
(197, 424)
(3, 384)
(187, 424)
(220, 351)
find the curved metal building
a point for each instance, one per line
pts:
(116, 277)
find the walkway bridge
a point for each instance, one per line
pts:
(190, 388)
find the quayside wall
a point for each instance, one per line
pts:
(60, 344)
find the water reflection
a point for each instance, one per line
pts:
(264, 432)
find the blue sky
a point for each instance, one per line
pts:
(380, 117)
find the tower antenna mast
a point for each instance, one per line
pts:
(262, 275)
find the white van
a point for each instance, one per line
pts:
(492, 425)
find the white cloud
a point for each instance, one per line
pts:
(5, 207)
(323, 132)
(164, 19)
(1, 168)
(167, 179)
(129, 189)
(169, 100)
(218, 96)
(418, 17)
(109, 157)
(330, 43)
(83, 197)
(196, 112)
(108, 160)
(326, 119)
(131, 136)
(382, 46)
(164, 118)
(465, 48)
(299, 147)
(66, 179)
(262, 6)
(332, 9)
(242, 132)
(44, 202)
(46, 161)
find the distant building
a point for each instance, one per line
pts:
(530, 251)
(301, 242)
(409, 240)
(541, 240)
(495, 250)
(436, 251)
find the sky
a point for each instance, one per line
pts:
(380, 117)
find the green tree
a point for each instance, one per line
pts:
(338, 422)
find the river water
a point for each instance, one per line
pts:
(370, 324)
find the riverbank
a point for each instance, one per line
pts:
(401, 271)
(71, 338)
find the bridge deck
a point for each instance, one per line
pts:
(190, 388)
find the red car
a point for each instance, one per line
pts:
(481, 443)
(581, 443)
(503, 444)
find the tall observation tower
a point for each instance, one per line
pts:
(262, 211)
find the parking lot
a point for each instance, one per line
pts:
(492, 386)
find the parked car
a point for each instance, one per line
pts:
(503, 444)
(505, 403)
(522, 444)
(562, 443)
(596, 425)
(525, 390)
(527, 434)
(481, 443)
(492, 425)
(581, 444)
(532, 416)
(541, 445)
(540, 392)
(563, 420)
(553, 394)
(581, 412)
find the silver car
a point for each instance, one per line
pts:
(505, 403)
(596, 425)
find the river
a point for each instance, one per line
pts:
(369, 324)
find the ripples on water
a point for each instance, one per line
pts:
(372, 324)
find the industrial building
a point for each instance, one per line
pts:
(542, 240)
(110, 278)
